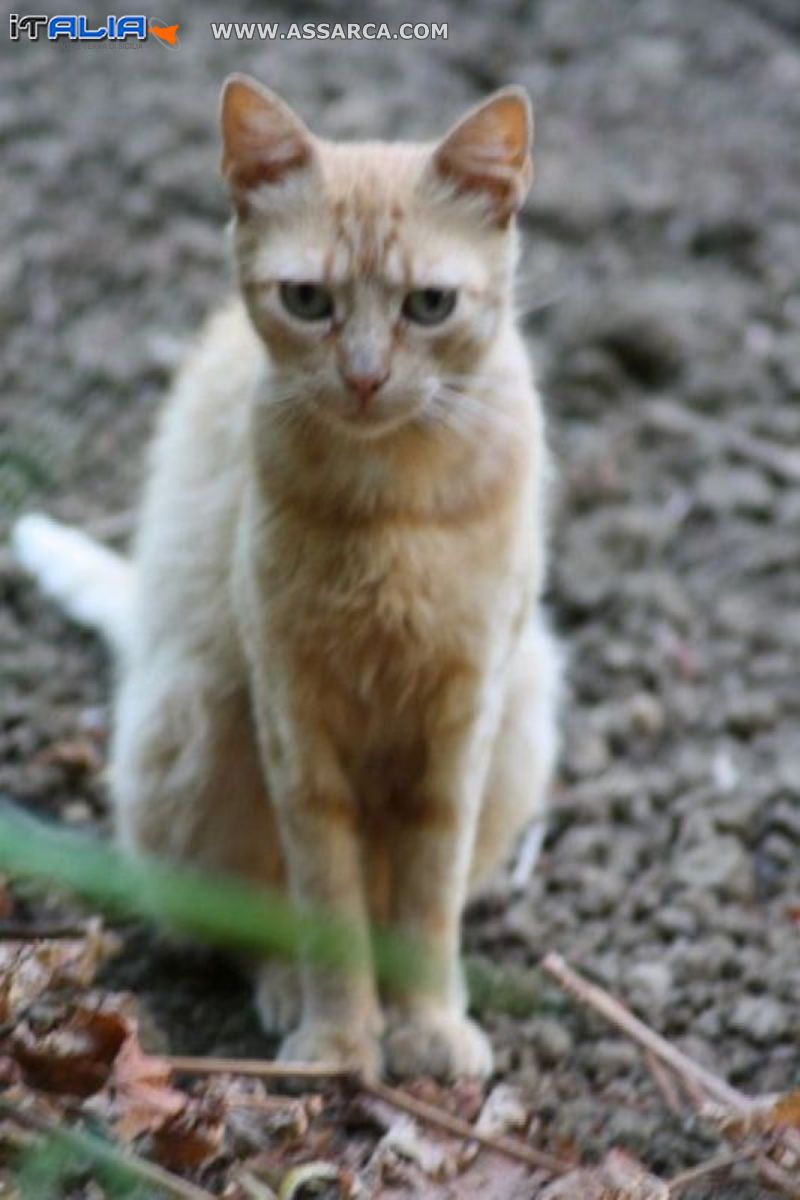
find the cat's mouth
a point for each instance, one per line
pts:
(377, 419)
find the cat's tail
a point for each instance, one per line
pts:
(93, 585)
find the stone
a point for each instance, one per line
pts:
(718, 863)
(651, 979)
(761, 1019)
(551, 1040)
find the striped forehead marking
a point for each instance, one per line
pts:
(365, 236)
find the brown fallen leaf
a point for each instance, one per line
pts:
(191, 1139)
(619, 1177)
(504, 1111)
(768, 1115)
(137, 1096)
(91, 1052)
(786, 1110)
(436, 1158)
(73, 1055)
(75, 757)
(29, 969)
(255, 1118)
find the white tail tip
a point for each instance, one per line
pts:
(91, 583)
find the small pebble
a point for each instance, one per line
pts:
(720, 863)
(760, 1019)
(552, 1041)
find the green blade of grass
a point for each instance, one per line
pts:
(62, 1151)
(215, 909)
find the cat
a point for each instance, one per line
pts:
(335, 675)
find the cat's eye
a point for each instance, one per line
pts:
(429, 306)
(307, 301)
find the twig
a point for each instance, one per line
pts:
(623, 1018)
(790, 1184)
(690, 1072)
(20, 931)
(93, 1147)
(431, 1115)
(712, 1165)
(427, 1113)
(259, 1068)
(664, 1082)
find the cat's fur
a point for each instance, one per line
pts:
(334, 672)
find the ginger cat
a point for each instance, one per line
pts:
(334, 674)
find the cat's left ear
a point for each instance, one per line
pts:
(488, 152)
(263, 140)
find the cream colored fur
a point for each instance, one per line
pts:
(336, 677)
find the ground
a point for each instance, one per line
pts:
(661, 276)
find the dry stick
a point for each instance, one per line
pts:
(147, 1171)
(664, 1082)
(20, 931)
(790, 1184)
(711, 1167)
(427, 1113)
(437, 1116)
(686, 1068)
(620, 1016)
(258, 1068)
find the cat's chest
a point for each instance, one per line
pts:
(380, 606)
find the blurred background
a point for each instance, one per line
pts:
(661, 289)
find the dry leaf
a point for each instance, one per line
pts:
(76, 757)
(29, 969)
(763, 1116)
(435, 1158)
(505, 1111)
(74, 1057)
(255, 1118)
(786, 1110)
(191, 1139)
(619, 1177)
(137, 1098)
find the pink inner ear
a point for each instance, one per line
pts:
(263, 140)
(268, 164)
(489, 153)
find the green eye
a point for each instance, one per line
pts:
(307, 301)
(429, 306)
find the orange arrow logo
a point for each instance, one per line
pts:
(165, 33)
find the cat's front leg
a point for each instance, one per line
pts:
(318, 822)
(433, 835)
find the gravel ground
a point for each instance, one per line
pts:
(661, 278)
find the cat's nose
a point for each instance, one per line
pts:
(364, 386)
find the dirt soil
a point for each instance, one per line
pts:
(661, 277)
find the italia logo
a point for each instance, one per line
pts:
(81, 29)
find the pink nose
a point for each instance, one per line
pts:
(365, 386)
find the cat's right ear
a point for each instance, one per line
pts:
(262, 139)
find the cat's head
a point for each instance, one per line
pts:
(377, 274)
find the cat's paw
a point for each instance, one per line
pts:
(320, 1042)
(446, 1045)
(278, 997)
